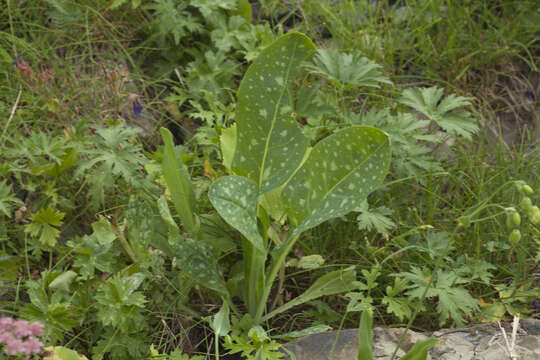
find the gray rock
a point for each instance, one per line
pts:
(475, 342)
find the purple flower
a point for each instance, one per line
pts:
(137, 107)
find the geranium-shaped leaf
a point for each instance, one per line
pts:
(338, 175)
(347, 70)
(44, 225)
(198, 261)
(235, 199)
(269, 144)
(445, 113)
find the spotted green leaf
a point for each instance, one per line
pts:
(338, 175)
(270, 145)
(199, 262)
(235, 199)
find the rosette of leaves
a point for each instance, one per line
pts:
(274, 171)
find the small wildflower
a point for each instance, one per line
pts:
(37, 328)
(137, 107)
(23, 67)
(18, 336)
(22, 328)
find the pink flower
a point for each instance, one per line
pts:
(33, 345)
(18, 336)
(6, 324)
(22, 328)
(37, 328)
(15, 347)
(6, 337)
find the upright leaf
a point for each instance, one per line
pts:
(179, 183)
(337, 177)
(270, 145)
(235, 199)
(365, 336)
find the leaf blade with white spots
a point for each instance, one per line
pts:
(270, 145)
(337, 177)
(235, 199)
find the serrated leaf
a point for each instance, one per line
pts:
(199, 262)
(339, 174)
(347, 70)
(7, 199)
(398, 306)
(235, 199)
(329, 284)
(445, 113)
(43, 225)
(270, 145)
(375, 218)
(179, 183)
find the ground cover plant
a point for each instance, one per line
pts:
(198, 179)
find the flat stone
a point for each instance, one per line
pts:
(475, 342)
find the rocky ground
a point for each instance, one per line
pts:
(475, 342)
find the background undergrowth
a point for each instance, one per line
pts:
(86, 85)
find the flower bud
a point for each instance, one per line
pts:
(514, 236)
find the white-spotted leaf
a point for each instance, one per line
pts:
(269, 144)
(338, 175)
(198, 261)
(235, 199)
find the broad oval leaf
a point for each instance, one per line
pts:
(270, 145)
(199, 262)
(338, 175)
(235, 199)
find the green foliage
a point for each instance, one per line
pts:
(454, 302)
(258, 345)
(334, 181)
(375, 218)
(443, 112)
(44, 226)
(266, 134)
(7, 200)
(121, 304)
(347, 70)
(179, 184)
(113, 155)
